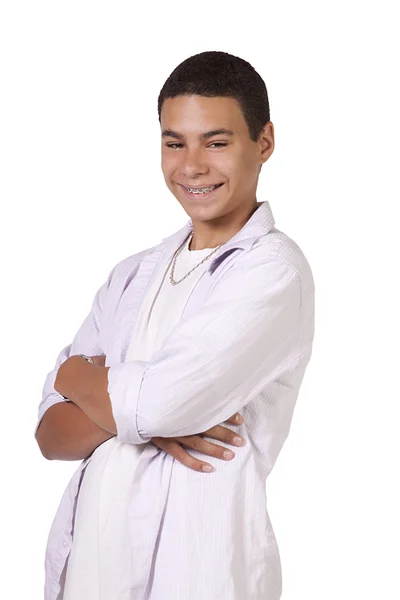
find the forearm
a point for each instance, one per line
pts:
(86, 386)
(67, 433)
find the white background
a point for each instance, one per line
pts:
(80, 146)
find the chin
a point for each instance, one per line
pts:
(206, 213)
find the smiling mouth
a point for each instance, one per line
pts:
(201, 190)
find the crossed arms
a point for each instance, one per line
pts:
(210, 366)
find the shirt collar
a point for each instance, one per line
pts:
(260, 223)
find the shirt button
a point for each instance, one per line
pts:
(65, 544)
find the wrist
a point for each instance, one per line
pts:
(73, 376)
(89, 359)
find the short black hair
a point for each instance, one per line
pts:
(216, 73)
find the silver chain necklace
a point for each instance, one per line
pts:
(171, 275)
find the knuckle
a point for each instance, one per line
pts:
(181, 455)
(178, 452)
(217, 451)
(228, 435)
(189, 461)
(217, 432)
(196, 442)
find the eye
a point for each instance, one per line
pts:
(218, 144)
(174, 145)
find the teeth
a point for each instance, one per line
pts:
(201, 190)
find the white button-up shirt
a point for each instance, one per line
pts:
(242, 345)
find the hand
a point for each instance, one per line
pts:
(173, 445)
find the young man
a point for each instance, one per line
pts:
(217, 318)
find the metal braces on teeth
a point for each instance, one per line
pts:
(202, 190)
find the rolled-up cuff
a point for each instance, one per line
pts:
(124, 383)
(51, 397)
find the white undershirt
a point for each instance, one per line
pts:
(101, 526)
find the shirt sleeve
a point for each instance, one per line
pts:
(86, 341)
(216, 361)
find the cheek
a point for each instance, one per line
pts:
(233, 164)
(248, 167)
(167, 166)
(225, 165)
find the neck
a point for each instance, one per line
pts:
(210, 234)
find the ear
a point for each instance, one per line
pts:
(266, 142)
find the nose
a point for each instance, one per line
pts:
(193, 164)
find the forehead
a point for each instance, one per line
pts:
(196, 114)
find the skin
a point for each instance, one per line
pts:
(192, 156)
(62, 434)
(193, 160)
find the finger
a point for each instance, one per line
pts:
(181, 455)
(224, 434)
(196, 442)
(236, 419)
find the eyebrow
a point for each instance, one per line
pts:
(202, 136)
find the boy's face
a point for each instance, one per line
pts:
(205, 143)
